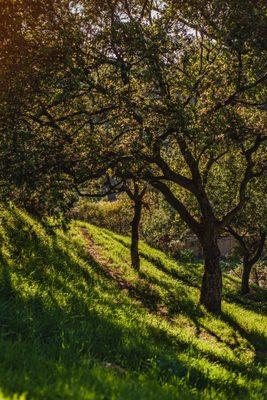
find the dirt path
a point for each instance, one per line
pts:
(141, 290)
(115, 274)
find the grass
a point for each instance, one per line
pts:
(78, 323)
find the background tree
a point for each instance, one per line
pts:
(249, 230)
(136, 194)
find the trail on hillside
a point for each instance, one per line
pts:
(141, 290)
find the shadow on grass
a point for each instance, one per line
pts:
(257, 339)
(255, 301)
(59, 325)
(61, 339)
(179, 302)
(192, 280)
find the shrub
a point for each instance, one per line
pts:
(115, 215)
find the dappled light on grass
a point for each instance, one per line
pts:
(78, 322)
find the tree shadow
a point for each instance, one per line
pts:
(180, 302)
(47, 339)
(176, 300)
(177, 304)
(254, 301)
(191, 280)
(144, 291)
(62, 338)
(257, 339)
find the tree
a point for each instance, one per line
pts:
(136, 195)
(162, 86)
(136, 192)
(249, 230)
(252, 249)
(180, 94)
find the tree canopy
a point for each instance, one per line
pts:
(169, 93)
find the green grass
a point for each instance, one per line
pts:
(78, 323)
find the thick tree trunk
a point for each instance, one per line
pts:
(211, 289)
(135, 258)
(245, 276)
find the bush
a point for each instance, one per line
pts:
(160, 225)
(115, 215)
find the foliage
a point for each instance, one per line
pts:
(125, 92)
(115, 215)
(252, 221)
(160, 226)
(155, 91)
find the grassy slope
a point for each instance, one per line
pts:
(78, 323)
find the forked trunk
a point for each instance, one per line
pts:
(135, 258)
(211, 289)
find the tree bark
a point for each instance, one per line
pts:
(249, 260)
(256, 279)
(211, 289)
(247, 266)
(135, 258)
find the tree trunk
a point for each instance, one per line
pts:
(256, 280)
(135, 258)
(245, 276)
(211, 289)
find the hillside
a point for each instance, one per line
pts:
(78, 323)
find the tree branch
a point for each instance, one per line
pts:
(232, 98)
(177, 205)
(209, 165)
(238, 237)
(259, 250)
(249, 174)
(173, 176)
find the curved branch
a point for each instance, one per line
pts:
(178, 205)
(260, 248)
(248, 176)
